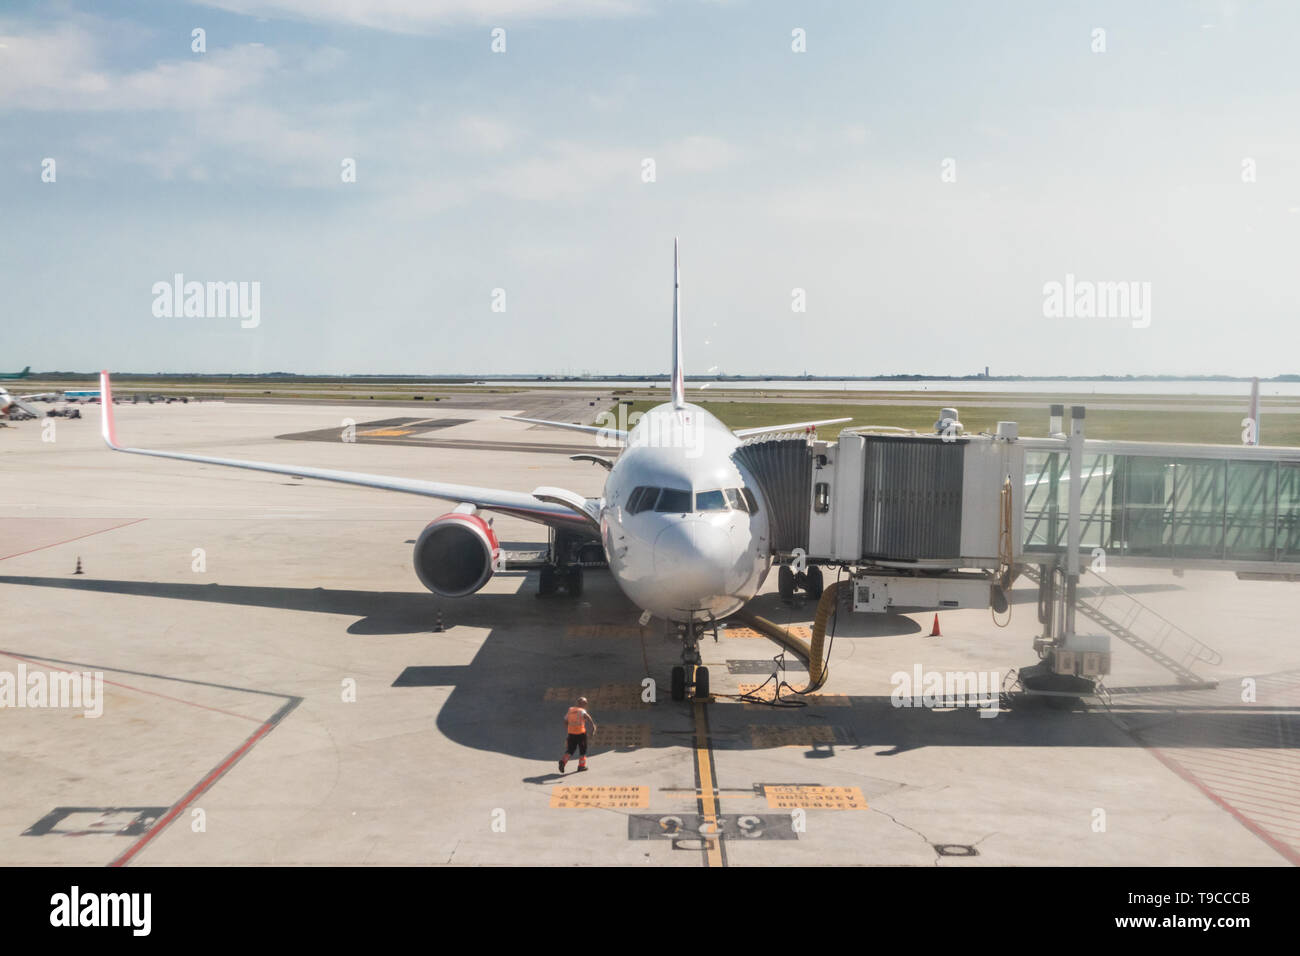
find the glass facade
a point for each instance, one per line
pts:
(1144, 506)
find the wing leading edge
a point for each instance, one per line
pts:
(517, 503)
(792, 427)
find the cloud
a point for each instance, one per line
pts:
(423, 16)
(699, 154)
(565, 169)
(60, 70)
(481, 133)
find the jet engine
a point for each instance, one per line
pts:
(453, 555)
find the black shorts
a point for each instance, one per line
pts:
(577, 742)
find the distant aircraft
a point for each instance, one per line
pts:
(9, 376)
(15, 406)
(683, 526)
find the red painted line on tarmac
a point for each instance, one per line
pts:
(1288, 852)
(1209, 768)
(88, 534)
(1252, 802)
(152, 693)
(1256, 784)
(203, 785)
(1277, 780)
(216, 773)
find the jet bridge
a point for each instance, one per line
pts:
(948, 520)
(922, 520)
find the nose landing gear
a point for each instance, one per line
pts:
(692, 665)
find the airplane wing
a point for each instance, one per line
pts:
(517, 503)
(614, 433)
(795, 426)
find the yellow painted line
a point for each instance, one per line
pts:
(602, 631)
(719, 797)
(385, 432)
(708, 795)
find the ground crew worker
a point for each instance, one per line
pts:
(576, 721)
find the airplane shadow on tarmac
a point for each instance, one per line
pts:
(510, 698)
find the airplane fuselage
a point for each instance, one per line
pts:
(684, 527)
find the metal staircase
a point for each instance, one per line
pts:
(1159, 638)
(1123, 616)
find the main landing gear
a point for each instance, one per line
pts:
(568, 555)
(553, 579)
(692, 673)
(788, 581)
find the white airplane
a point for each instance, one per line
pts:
(15, 406)
(683, 526)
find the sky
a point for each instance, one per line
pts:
(859, 188)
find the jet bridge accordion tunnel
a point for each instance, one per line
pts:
(895, 508)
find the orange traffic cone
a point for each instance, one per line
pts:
(934, 631)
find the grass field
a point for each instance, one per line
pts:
(1175, 425)
(1166, 418)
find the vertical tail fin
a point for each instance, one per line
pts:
(679, 379)
(106, 425)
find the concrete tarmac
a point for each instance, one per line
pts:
(276, 689)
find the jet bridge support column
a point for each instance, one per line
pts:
(1056, 675)
(1073, 528)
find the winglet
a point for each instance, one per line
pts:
(106, 411)
(679, 379)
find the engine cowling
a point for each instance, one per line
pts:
(453, 555)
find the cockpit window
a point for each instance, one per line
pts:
(710, 501)
(641, 499)
(672, 500)
(676, 501)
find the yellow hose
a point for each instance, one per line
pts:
(810, 654)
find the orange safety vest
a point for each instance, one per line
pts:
(577, 725)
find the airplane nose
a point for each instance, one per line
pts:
(692, 561)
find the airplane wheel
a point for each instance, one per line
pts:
(813, 584)
(701, 683)
(679, 683)
(785, 582)
(546, 584)
(573, 580)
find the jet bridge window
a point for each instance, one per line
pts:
(673, 500)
